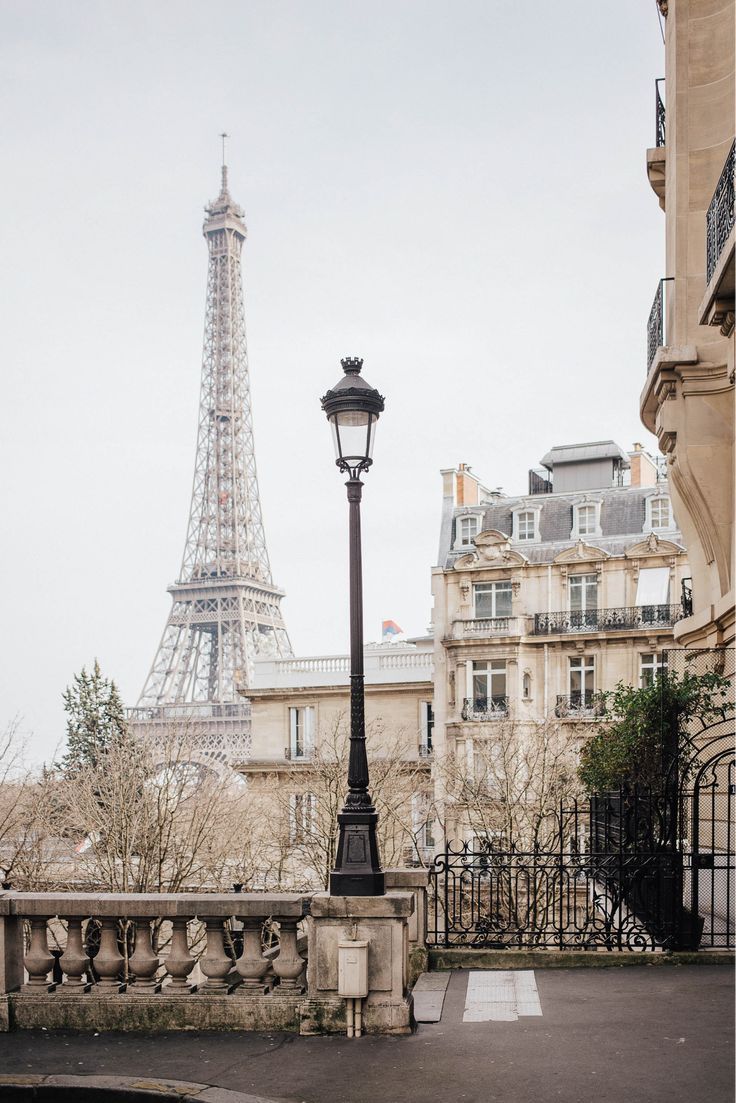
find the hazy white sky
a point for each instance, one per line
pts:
(454, 191)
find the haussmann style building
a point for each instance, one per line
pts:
(544, 600)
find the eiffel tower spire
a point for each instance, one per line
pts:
(225, 610)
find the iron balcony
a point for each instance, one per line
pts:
(580, 705)
(485, 708)
(720, 216)
(607, 620)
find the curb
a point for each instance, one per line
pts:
(467, 958)
(117, 1089)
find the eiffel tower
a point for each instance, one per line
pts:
(226, 609)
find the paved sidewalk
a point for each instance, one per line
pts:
(635, 1035)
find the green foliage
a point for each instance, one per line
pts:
(95, 720)
(630, 747)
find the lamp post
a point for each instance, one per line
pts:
(352, 408)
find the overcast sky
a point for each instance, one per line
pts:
(455, 192)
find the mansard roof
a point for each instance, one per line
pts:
(622, 519)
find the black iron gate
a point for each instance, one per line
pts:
(631, 870)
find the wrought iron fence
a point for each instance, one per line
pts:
(485, 708)
(636, 869)
(719, 218)
(660, 114)
(581, 887)
(599, 620)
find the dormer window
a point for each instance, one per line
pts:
(586, 520)
(659, 513)
(526, 526)
(466, 530)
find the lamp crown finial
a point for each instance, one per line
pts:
(351, 364)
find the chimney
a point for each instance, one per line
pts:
(466, 486)
(643, 467)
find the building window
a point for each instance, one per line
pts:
(466, 530)
(583, 593)
(422, 816)
(525, 526)
(492, 599)
(426, 729)
(651, 666)
(301, 731)
(582, 680)
(302, 816)
(526, 686)
(489, 684)
(653, 588)
(659, 513)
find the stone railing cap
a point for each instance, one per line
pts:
(155, 905)
(393, 905)
(407, 878)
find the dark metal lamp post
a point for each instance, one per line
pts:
(352, 408)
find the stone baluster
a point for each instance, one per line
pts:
(289, 965)
(74, 960)
(38, 961)
(180, 962)
(109, 961)
(252, 965)
(144, 962)
(215, 963)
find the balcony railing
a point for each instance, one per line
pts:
(488, 626)
(719, 219)
(485, 708)
(655, 325)
(426, 750)
(581, 705)
(660, 114)
(687, 597)
(607, 620)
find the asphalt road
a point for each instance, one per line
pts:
(605, 1036)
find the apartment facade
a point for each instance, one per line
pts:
(544, 600)
(297, 767)
(688, 396)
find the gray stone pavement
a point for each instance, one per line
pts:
(605, 1036)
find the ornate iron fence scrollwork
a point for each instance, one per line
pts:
(720, 217)
(600, 620)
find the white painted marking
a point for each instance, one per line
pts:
(501, 995)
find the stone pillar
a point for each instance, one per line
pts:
(384, 922)
(415, 881)
(11, 948)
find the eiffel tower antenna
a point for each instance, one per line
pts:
(226, 609)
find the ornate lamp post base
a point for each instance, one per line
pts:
(358, 871)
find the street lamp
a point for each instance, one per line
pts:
(352, 408)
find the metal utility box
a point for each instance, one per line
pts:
(352, 969)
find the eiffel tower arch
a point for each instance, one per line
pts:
(225, 608)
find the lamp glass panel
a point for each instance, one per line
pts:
(353, 431)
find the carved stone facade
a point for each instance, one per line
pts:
(534, 618)
(688, 399)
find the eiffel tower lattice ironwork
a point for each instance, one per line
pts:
(226, 609)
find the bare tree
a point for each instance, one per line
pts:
(510, 793)
(309, 796)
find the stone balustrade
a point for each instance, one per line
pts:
(191, 961)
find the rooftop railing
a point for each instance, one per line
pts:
(627, 618)
(720, 217)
